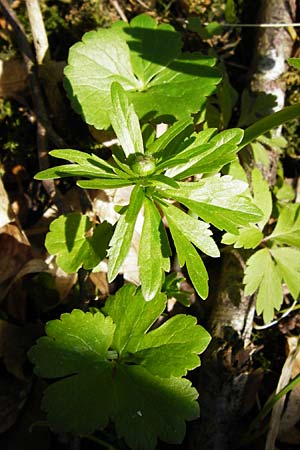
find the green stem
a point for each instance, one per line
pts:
(268, 123)
(251, 434)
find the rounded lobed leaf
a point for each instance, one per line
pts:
(145, 59)
(111, 373)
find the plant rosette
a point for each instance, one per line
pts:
(157, 172)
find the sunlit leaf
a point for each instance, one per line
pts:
(288, 262)
(150, 252)
(287, 230)
(188, 255)
(112, 372)
(262, 275)
(76, 243)
(125, 122)
(145, 59)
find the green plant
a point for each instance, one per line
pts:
(277, 256)
(114, 368)
(156, 175)
(146, 59)
(178, 187)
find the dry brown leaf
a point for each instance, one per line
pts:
(104, 203)
(289, 431)
(286, 375)
(100, 281)
(6, 214)
(15, 250)
(13, 77)
(63, 281)
(32, 266)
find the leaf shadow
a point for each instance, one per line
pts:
(71, 228)
(143, 36)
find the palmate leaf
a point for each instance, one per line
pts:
(86, 165)
(205, 155)
(71, 240)
(265, 272)
(247, 238)
(287, 230)
(288, 263)
(216, 200)
(145, 59)
(194, 230)
(178, 338)
(262, 275)
(188, 255)
(111, 373)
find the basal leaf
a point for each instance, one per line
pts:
(145, 59)
(287, 230)
(262, 275)
(132, 316)
(260, 154)
(93, 63)
(288, 262)
(121, 240)
(152, 46)
(254, 273)
(150, 257)
(125, 122)
(180, 339)
(176, 90)
(76, 404)
(151, 407)
(88, 345)
(108, 367)
(70, 238)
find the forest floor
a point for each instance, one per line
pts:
(33, 289)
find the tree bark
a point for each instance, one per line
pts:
(227, 363)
